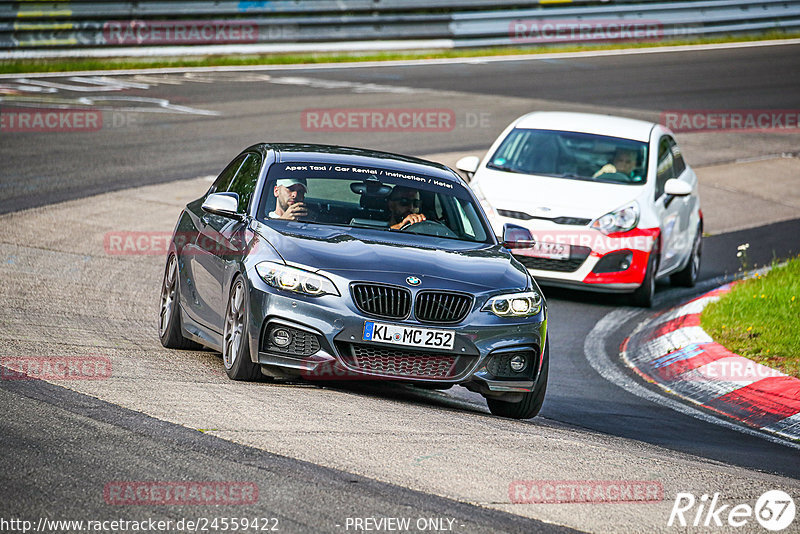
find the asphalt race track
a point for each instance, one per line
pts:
(321, 455)
(153, 146)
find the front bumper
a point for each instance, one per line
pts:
(332, 348)
(614, 263)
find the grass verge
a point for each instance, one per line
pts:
(13, 66)
(760, 318)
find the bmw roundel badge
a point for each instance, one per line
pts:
(413, 281)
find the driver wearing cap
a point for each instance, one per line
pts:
(404, 204)
(290, 193)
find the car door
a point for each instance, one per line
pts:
(684, 205)
(666, 209)
(195, 280)
(220, 244)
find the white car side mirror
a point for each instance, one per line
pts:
(677, 188)
(468, 165)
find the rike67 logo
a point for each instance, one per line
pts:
(774, 510)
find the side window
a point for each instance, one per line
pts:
(222, 182)
(680, 166)
(665, 168)
(245, 181)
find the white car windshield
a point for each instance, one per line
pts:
(372, 198)
(572, 155)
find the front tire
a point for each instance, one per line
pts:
(235, 339)
(687, 277)
(643, 296)
(531, 403)
(169, 317)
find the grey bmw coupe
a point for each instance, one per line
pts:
(332, 263)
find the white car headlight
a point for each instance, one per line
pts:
(524, 304)
(487, 207)
(296, 280)
(620, 220)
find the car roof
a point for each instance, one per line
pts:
(587, 123)
(291, 152)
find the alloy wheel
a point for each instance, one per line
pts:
(234, 326)
(168, 295)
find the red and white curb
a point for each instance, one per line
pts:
(672, 351)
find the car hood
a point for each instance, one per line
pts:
(560, 197)
(356, 255)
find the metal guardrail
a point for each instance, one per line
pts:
(87, 9)
(666, 20)
(158, 27)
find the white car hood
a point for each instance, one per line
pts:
(563, 197)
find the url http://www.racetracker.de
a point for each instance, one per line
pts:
(197, 524)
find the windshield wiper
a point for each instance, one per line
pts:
(570, 175)
(506, 168)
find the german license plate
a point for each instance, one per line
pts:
(409, 336)
(550, 251)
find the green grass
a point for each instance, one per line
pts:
(79, 64)
(760, 318)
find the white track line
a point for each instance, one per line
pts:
(599, 359)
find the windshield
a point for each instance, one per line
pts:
(375, 198)
(572, 155)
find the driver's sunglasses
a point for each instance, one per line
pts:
(415, 202)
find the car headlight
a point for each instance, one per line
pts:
(620, 220)
(487, 208)
(524, 304)
(296, 280)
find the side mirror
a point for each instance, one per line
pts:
(515, 236)
(468, 165)
(677, 188)
(225, 204)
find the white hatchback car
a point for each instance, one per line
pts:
(592, 201)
